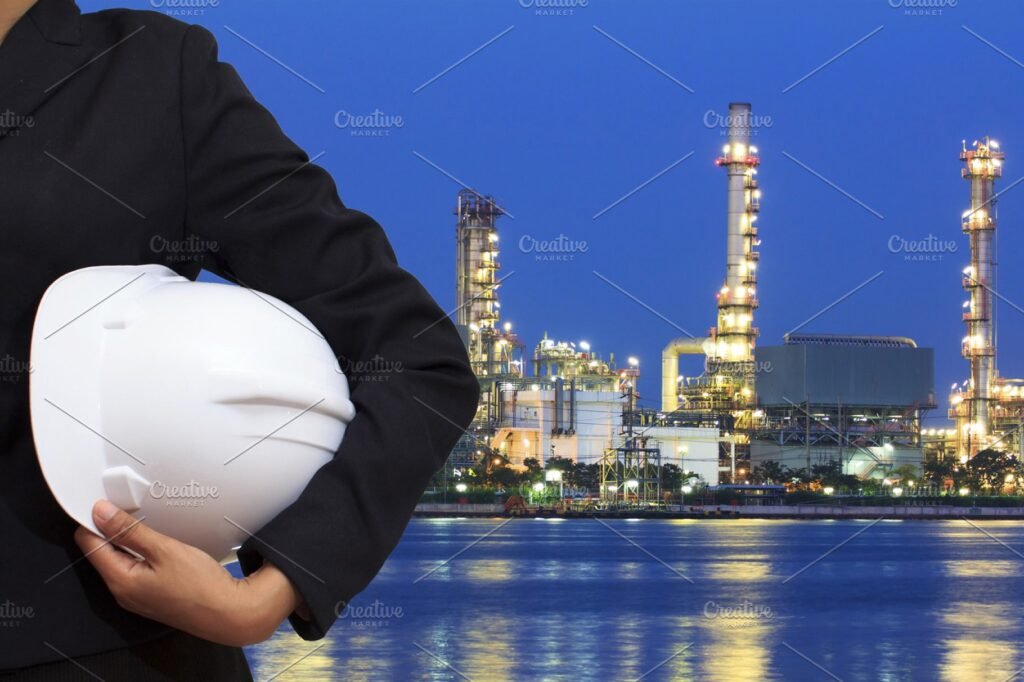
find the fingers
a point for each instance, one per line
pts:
(123, 529)
(102, 554)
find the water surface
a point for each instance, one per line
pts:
(533, 599)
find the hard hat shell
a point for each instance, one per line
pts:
(203, 409)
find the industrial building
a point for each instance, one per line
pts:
(574, 403)
(852, 399)
(856, 400)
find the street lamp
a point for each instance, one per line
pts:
(460, 487)
(553, 475)
(687, 489)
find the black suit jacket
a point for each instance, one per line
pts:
(120, 133)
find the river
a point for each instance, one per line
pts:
(721, 599)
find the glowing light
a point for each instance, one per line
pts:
(829, 490)
(964, 492)
(897, 491)
(460, 487)
(687, 489)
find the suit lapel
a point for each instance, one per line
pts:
(40, 55)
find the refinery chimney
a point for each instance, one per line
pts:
(735, 334)
(970, 407)
(729, 350)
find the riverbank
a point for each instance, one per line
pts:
(800, 511)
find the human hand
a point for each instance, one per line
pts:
(182, 586)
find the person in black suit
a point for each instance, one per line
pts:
(121, 131)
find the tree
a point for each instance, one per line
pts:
(988, 470)
(830, 474)
(769, 471)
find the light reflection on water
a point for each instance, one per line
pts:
(571, 600)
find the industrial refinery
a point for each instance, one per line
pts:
(812, 399)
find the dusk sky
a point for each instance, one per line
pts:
(558, 118)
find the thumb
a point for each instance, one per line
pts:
(124, 530)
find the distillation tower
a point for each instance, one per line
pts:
(495, 353)
(982, 165)
(728, 381)
(986, 408)
(492, 350)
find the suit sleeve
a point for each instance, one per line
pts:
(280, 227)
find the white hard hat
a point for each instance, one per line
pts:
(202, 408)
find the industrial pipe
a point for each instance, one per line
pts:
(684, 345)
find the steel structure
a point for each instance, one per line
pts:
(728, 379)
(988, 410)
(492, 350)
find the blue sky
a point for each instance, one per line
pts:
(559, 120)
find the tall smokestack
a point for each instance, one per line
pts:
(735, 334)
(982, 165)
